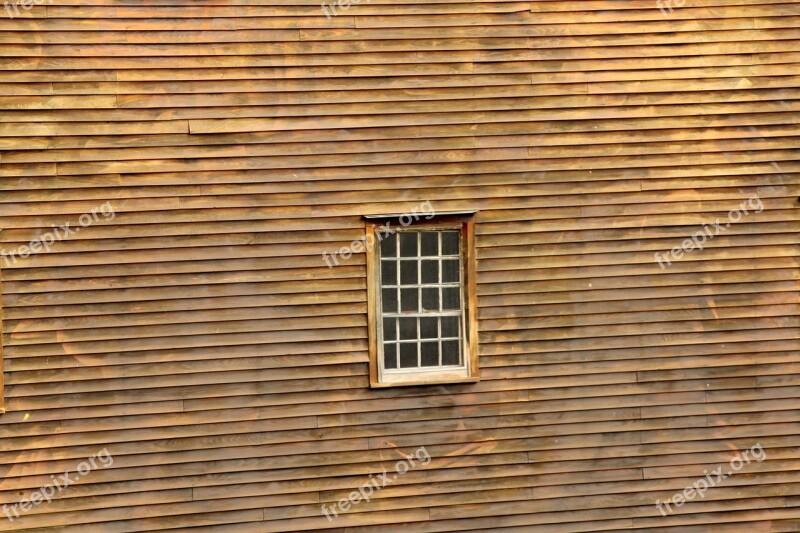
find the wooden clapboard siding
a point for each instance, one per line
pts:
(200, 337)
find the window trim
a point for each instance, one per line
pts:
(464, 222)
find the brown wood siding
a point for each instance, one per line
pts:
(201, 339)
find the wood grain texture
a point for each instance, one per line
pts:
(200, 337)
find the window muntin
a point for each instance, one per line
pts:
(422, 309)
(422, 322)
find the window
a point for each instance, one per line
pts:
(422, 314)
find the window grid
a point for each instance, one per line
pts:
(394, 356)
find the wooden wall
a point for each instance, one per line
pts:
(201, 339)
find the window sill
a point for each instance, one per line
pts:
(417, 381)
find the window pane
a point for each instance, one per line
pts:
(430, 299)
(422, 338)
(408, 328)
(451, 299)
(389, 272)
(409, 300)
(450, 326)
(388, 245)
(408, 244)
(430, 271)
(389, 297)
(450, 242)
(390, 329)
(451, 353)
(430, 354)
(429, 327)
(408, 355)
(408, 272)
(390, 355)
(430, 243)
(450, 271)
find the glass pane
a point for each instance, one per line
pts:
(451, 299)
(389, 272)
(408, 355)
(429, 327)
(408, 328)
(389, 297)
(408, 244)
(430, 299)
(450, 326)
(409, 300)
(390, 329)
(415, 341)
(430, 354)
(430, 243)
(389, 355)
(450, 271)
(430, 271)
(451, 353)
(388, 244)
(450, 242)
(408, 272)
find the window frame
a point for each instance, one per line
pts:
(465, 224)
